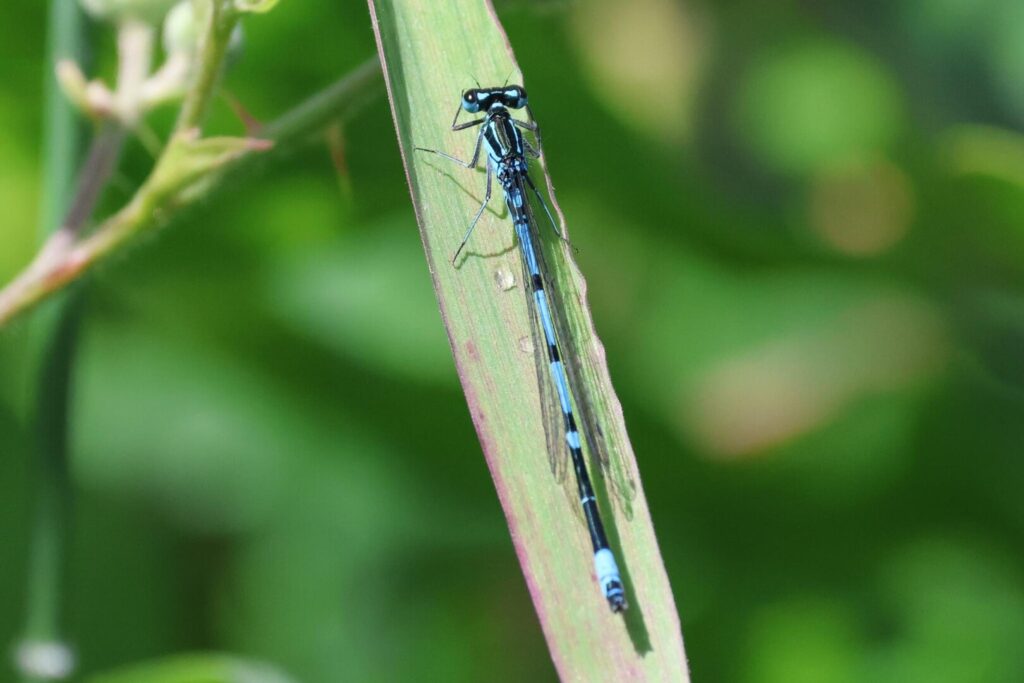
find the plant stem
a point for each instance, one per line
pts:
(220, 22)
(56, 335)
(42, 654)
(338, 100)
(99, 164)
(62, 131)
(61, 261)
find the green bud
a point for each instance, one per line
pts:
(181, 29)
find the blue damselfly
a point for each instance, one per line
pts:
(507, 149)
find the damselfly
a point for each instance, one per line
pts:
(507, 150)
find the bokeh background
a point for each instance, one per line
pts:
(803, 230)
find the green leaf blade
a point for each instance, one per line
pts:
(431, 52)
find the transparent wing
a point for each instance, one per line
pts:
(612, 463)
(554, 430)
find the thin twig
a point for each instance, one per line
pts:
(99, 165)
(63, 260)
(221, 20)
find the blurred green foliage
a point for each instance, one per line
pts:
(803, 232)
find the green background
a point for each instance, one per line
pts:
(802, 226)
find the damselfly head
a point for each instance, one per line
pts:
(481, 99)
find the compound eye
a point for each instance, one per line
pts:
(515, 97)
(470, 101)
